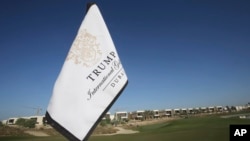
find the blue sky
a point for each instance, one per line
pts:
(177, 54)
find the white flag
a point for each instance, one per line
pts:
(91, 79)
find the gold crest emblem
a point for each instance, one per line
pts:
(85, 50)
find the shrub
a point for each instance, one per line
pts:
(103, 123)
(21, 121)
(30, 123)
(1, 124)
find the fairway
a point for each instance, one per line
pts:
(209, 128)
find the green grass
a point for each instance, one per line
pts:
(210, 128)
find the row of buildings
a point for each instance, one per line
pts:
(166, 113)
(146, 114)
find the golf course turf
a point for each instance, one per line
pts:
(207, 128)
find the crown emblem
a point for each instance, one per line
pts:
(85, 50)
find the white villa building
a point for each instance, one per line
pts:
(40, 120)
(156, 113)
(137, 115)
(168, 112)
(123, 115)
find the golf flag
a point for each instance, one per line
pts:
(91, 79)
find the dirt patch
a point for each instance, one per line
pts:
(19, 131)
(51, 132)
(11, 131)
(104, 130)
(121, 130)
(36, 133)
(149, 122)
(129, 128)
(118, 130)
